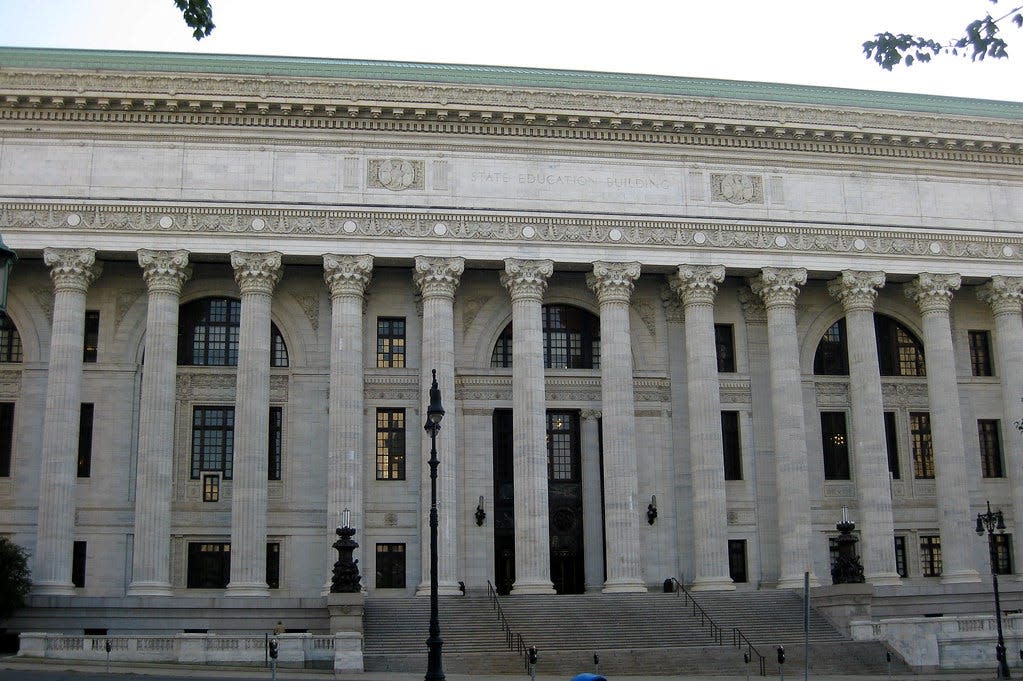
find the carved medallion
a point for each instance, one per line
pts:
(736, 188)
(396, 174)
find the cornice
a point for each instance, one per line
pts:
(223, 102)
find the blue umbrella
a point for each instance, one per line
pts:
(586, 676)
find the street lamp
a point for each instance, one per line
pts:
(7, 260)
(990, 522)
(434, 414)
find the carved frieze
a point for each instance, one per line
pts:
(736, 188)
(220, 386)
(396, 174)
(903, 394)
(10, 382)
(391, 387)
(735, 392)
(835, 490)
(832, 394)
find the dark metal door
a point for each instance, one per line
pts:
(504, 503)
(565, 501)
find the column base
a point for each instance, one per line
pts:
(884, 579)
(443, 589)
(712, 584)
(624, 586)
(53, 589)
(960, 577)
(244, 589)
(150, 589)
(796, 582)
(523, 588)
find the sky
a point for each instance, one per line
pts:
(810, 42)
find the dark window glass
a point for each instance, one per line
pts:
(899, 353)
(91, 345)
(212, 440)
(732, 445)
(273, 565)
(85, 420)
(501, 358)
(209, 565)
(900, 557)
(10, 340)
(563, 447)
(391, 342)
(390, 566)
(832, 357)
(923, 449)
(276, 445)
(930, 556)
(390, 444)
(208, 334)
(78, 564)
(1001, 553)
(571, 340)
(737, 560)
(724, 343)
(6, 437)
(990, 448)
(891, 438)
(980, 353)
(278, 350)
(836, 445)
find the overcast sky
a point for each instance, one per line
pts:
(815, 42)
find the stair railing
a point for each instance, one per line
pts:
(717, 632)
(512, 640)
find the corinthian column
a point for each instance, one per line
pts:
(933, 293)
(1004, 294)
(696, 286)
(437, 279)
(165, 272)
(613, 283)
(72, 271)
(779, 288)
(346, 277)
(526, 281)
(257, 274)
(857, 292)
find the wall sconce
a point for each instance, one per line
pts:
(481, 514)
(651, 509)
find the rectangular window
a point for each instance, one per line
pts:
(900, 557)
(85, 420)
(78, 564)
(211, 487)
(724, 343)
(731, 444)
(390, 566)
(274, 449)
(391, 342)
(980, 353)
(923, 450)
(1001, 553)
(6, 437)
(990, 448)
(737, 560)
(390, 444)
(212, 440)
(930, 556)
(273, 565)
(209, 565)
(891, 439)
(563, 447)
(91, 345)
(836, 445)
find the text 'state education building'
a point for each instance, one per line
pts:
(678, 325)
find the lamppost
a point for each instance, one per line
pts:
(7, 260)
(434, 414)
(990, 522)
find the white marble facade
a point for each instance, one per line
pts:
(325, 203)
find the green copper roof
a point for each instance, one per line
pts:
(310, 67)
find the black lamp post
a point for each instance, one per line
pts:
(7, 260)
(991, 522)
(434, 414)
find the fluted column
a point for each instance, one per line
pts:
(696, 286)
(437, 279)
(526, 281)
(346, 277)
(72, 271)
(164, 272)
(779, 288)
(613, 283)
(933, 293)
(257, 274)
(1004, 294)
(857, 292)
(593, 523)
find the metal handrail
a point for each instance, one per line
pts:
(513, 640)
(717, 632)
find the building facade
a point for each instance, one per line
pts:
(678, 326)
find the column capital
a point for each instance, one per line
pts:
(72, 269)
(613, 281)
(673, 311)
(590, 414)
(437, 276)
(347, 275)
(753, 309)
(526, 278)
(933, 292)
(778, 286)
(164, 271)
(256, 272)
(856, 290)
(697, 284)
(1003, 294)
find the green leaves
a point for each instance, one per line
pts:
(14, 577)
(198, 14)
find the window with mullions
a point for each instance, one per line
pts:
(835, 441)
(899, 352)
(208, 334)
(980, 353)
(724, 346)
(390, 566)
(90, 346)
(923, 448)
(10, 341)
(390, 444)
(212, 440)
(990, 448)
(563, 446)
(391, 342)
(571, 340)
(1001, 553)
(276, 445)
(901, 566)
(6, 437)
(209, 565)
(832, 357)
(731, 443)
(930, 556)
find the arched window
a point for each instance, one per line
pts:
(208, 334)
(10, 341)
(571, 340)
(899, 352)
